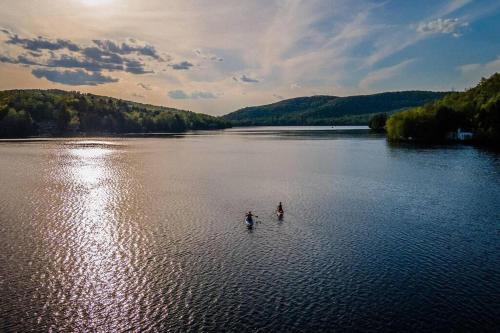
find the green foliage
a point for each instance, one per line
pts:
(14, 123)
(49, 112)
(377, 122)
(328, 110)
(476, 110)
(488, 120)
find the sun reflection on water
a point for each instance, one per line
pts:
(89, 168)
(95, 194)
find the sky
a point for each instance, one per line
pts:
(216, 56)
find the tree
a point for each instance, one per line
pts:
(72, 111)
(377, 122)
(62, 117)
(16, 124)
(476, 110)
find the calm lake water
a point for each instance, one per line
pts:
(147, 234)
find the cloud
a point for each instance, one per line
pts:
(202, 94)
(468, 68)
(395, 38)
(180, 94)
(8, 60)
(442, 26)
(35, 54)
(20, 59)
(131, 46)
(278, 97)
(138, 95)
(97, 60)
(40, 43)
(144, 86)
(136, 67)
(455, 5)
(383, 74)
(69, 61)
(207, 56)
(177, 94)
(246, 79)
(476, 70)
(73, 78)
(183, 65)
(103, 55)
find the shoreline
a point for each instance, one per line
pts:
(344, 129)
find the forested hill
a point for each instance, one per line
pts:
(57, 112)
(476, 110)
(328, 110)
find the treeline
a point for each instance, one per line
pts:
(55, 112)
(330, 110)
(351, 120)
(476, 110)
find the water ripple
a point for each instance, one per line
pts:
(147, 235)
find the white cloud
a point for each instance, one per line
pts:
(478, 70)
(454, 5)
(442, 26)
(470, 74)
(395, 38)
(391, 43)
(383, 74)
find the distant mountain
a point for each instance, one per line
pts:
(57, 112)
(328, 110)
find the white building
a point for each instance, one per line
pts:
(460, 135)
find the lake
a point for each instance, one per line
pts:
(148, 234)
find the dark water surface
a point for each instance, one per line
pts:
(147, 234)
